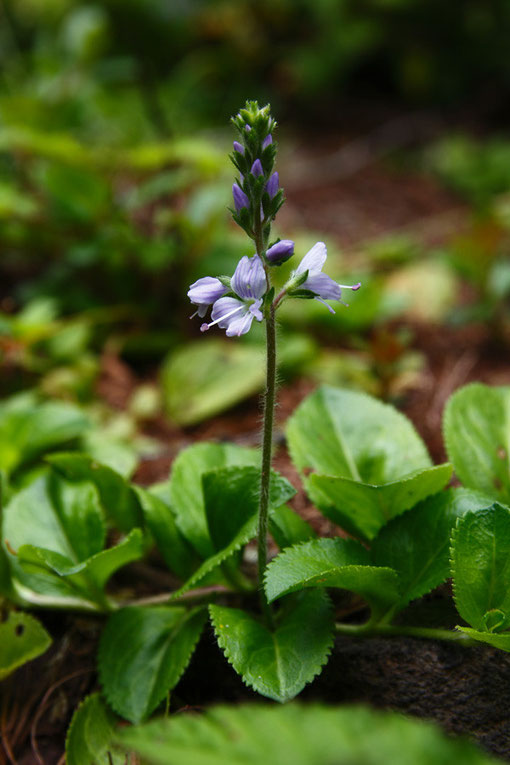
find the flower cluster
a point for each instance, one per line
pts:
(257, 196)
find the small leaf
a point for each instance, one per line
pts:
(277, 662)
(363, 509)
(185, 487)
(501, 640)
(90, 735)
(22, 638)
(417, 543)
(288, 528)
(476, 427)
(481, 565)
(332, 563)
(143, 653)
(206, 377)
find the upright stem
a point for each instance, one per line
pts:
(267, 444)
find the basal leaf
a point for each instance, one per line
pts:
(277, 662)
(288, 528)
(297, 734)
(90, 736)
(481, 567)
(143, 653)
(417, 543)
(22, 638)
(363, 509)
(332, 563)
(476, 430)
(185, 488)
(499, 640)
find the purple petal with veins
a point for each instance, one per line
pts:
(249, 279)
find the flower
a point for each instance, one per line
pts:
(235, 314)
(321, 284)
(204, 292)
(280, 252)
(273, 184)
(240, 198)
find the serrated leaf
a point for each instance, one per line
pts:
(296, 734)
(363, 509)
(143, 653)
(332, 563)
(185, 487)
(288, 528)
(277, 662)
(117, 497)
(22, 638)
(476, 430)
(204, 378)
(90, 736)
(176, 552)
(417, 543)
(497, 640)
(231, 507)
(481, 566)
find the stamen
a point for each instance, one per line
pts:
(205, 327)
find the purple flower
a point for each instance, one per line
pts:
(280, 252)
(256, 168)
(267, 141)
(240, 198)
(321, 284)
(204, 292)
(273, 184)
(238, 147)
(235, 314)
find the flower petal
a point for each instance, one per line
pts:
(205, 291)
(249, 279)
(313, 260)
(224, 306)
(239, 324)
(323, 286)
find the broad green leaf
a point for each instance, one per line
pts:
(29, 430)
(477, 436)
(117, 496)
(352, 435)
(363, 509)
(185, 488)
(332, 563)
(90, 736)
(143, 653)
(231, 508)
(277, 662)
(297, 734)
(110, 451)
(22, 638)
(498, 640)
(417, 543)
(204, 378)
(481, 567)
(176, 552)
(288, 528)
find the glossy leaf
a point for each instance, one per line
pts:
(22, 638)
(481, 568)
(143, 653)
(476, 430)
(277, 662)
(332, 563)
(90, 735)
(417, 543)
(185, 488)
(363, 509)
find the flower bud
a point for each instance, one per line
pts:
(280, 252)
(240, 198)
(273, 185)
(256, 168)
(267, 141)
(238, 147)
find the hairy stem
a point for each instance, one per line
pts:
(383, 630)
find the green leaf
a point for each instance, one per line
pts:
(352, 435)
(417, 543)
(231, 508)
(22, 638)
(117, 497)
(277, 662)
(477, 436)
(176, 552)
(288, 528)
(143, 653)
(332, 563)
(363, 508)
(208, 376)
(297, 734)
(498, 640)
(185, 489)
(90, 735)
(481, 566)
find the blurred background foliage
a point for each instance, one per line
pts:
(114, 181)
